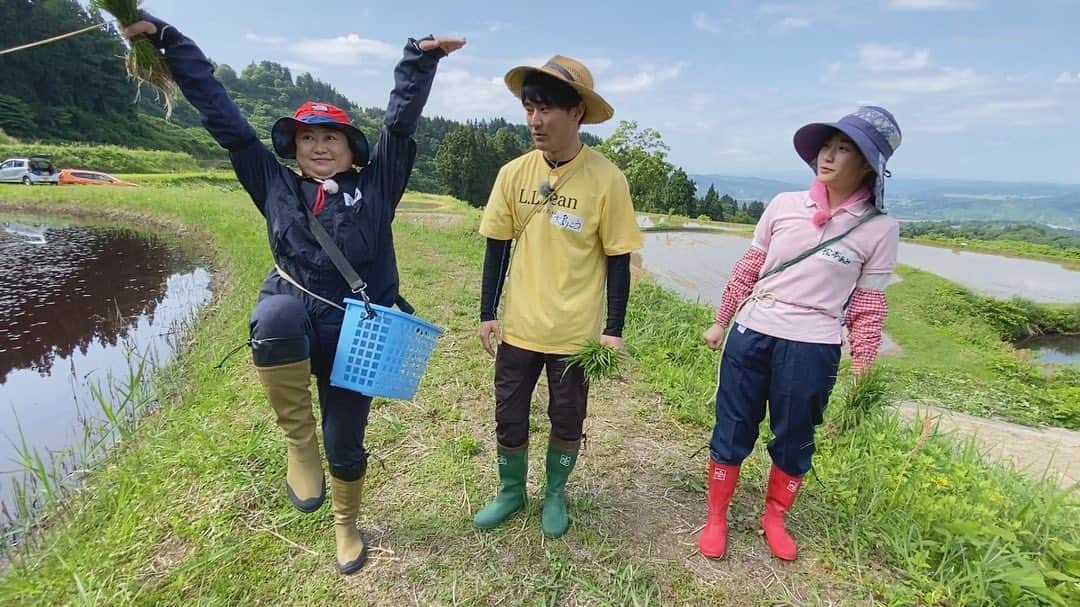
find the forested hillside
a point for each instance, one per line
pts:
(75, 91)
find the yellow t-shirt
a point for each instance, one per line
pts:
(554, 296)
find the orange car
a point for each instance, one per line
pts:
(83, 177)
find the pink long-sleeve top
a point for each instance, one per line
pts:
(806, 302)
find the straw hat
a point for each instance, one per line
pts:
(572, 72)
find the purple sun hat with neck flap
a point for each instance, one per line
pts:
(874, 131)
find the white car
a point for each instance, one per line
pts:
(29, 171)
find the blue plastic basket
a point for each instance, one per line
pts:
(382, 356)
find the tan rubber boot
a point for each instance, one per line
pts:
(351, 549)
(287, 389)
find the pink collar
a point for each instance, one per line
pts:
(819, 197)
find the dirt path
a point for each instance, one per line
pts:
(636, 503)
(432, 219)
(654, 470)
(1036, 451)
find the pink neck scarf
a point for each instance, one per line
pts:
(820, 195)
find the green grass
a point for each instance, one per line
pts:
(1068, 258)
(191, 509)
(663, 222)
(957, 352)
(109, 158)
(221, 179)
(940, 524)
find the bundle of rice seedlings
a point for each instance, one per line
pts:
(144, 63)
(597, 361)
(863, 398)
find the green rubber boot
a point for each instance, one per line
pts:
(513, 469)
(561, 457)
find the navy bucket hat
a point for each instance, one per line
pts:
(874, 131)
(283, 133)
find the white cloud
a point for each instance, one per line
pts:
(830, 71)
(458, 93)
(793, 23)
(344, 50)
(704, 23)
(878, 58)
(1016, 113)
(598, 65)
(253, 37)
(933, 5)
(948, 79)
(646, 78)
(1020, 78)
(495, 26)
(1067, 78)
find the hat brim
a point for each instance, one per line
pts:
(283, 136)
(809, 139)
(597, 110)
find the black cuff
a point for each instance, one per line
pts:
(349, 473)
(279, 350)
(618, 293)
(166, 34)
(436, 52)
(496, 261)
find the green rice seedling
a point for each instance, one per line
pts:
(597, 361)
(861, 398)
(144, 62)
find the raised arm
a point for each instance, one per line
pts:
(393, 156)
(194, 74)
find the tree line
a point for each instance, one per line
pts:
(1067, 240)
(75, 91)
(468, 160)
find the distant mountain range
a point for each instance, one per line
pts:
(744, 188)
(938, 199)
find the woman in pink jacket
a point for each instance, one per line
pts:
(819, 261)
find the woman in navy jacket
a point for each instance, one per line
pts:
(353, 194)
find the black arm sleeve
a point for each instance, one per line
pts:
(395, 153)
(496, 261)
(255, 165)
(618, 293)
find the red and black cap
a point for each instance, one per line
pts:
(315, 113)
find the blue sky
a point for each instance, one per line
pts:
(983, 89)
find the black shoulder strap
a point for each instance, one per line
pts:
(356, 284)
(801, 256)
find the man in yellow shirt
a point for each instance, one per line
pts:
(569, 210)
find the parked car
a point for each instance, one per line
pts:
(85, 177)
(29, 171)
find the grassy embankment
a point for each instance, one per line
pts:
(192, 506)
